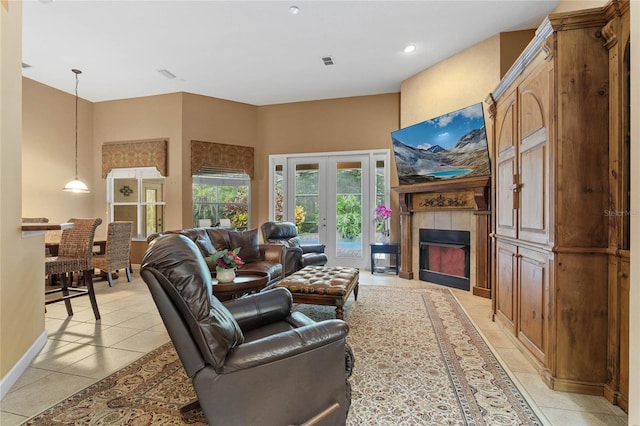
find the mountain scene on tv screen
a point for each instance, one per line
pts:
(450, 146)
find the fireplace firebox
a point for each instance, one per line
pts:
(445, 258)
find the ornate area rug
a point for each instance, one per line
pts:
(418, 361)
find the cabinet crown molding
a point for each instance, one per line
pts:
(553, 23)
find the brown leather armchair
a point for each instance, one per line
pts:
(251, 360)
(297, 255)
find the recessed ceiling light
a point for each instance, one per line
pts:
(294, 10)
(410, 48)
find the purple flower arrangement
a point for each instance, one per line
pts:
(382, 213)
(227, 259)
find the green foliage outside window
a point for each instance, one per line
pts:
(215, 202)
(349, 215)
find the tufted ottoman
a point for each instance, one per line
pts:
(323, 285)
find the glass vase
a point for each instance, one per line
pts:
(382, 237)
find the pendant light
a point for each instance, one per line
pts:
(76, 185)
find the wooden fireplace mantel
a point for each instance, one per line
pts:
(460, 194)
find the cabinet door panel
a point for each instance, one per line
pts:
(624, 330)
(531, 111)
(505, 209)
(505, 283)
(533, 202)
(533, 283)
(533, 161)
(506, 168)
(505, 119)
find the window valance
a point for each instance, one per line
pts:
(151, 153)
(233, 157)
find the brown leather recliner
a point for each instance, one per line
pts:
(297, 255)
(251, 360)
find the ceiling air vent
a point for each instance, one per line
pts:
(167, 73)
(327, 60)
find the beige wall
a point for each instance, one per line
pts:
(459, 81)
(220, 121)
(317, 126)
(48, 152)
(346, 124)
(511, 46)
(144, 118)
(21, 266)
(570, 5)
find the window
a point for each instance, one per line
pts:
(137, 195)
(220, 195)
(278, 193)
(382, 192)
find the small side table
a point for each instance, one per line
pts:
(390, 249)
(244, 283)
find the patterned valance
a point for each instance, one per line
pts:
(232, 157)
(134, 154)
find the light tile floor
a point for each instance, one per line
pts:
(81, 351)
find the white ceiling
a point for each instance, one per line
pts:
(253, 51)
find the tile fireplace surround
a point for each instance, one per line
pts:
(462, 205)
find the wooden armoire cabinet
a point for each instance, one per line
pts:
(550, 177)
(616, 34)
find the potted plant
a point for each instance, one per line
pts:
(382, 216)
(227, 261)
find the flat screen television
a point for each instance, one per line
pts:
(450, 146)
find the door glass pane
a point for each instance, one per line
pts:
(150, 212)
(137, 195)
(380, 184)
(127, 213)
(158, 194)
(125, 190)
(307, 202)
(349, 209)
(278, 205)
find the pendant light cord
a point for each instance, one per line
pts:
(76, 72)
(76, 185)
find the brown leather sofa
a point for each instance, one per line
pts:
(267, 258)
(297, 255)
(251, 360)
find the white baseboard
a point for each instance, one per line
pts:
(21, 366)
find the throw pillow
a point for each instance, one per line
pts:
(204, 244)
(219, 238)
(248, 243)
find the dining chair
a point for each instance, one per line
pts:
(75, 254)
(117, 251)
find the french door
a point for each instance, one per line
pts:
(331, 197)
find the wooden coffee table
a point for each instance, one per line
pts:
(244, 283)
